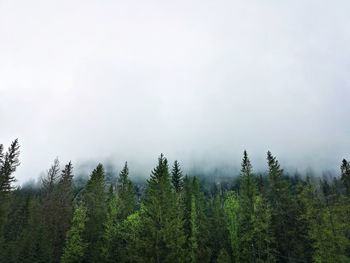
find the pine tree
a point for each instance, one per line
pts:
(64, 207)
(283, 212)
(345, 175)
(50, 181)
(110, 229)
(162, 232)
(262, 232)
(50, 210)
(196, 223)
(231, 207)
(8, 165)
(75, 247)
(193, 239)
(94, 199)
(128, 239)
(126, 200)
(177, 177)
(247, 195)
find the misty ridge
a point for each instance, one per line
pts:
(223, 176)
(173, 216)
(187, 131)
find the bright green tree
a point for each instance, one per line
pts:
(162, 226)
(75, 246)
(231, 207)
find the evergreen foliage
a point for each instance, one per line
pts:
(265, 218)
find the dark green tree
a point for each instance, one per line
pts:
(177, 177)
(126, 199)
(8, 165)
(345, 175)
(94, 199)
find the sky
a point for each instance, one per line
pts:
(114, 81)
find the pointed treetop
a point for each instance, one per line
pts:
(97, 174)
(274, 165)
(345, 175)
(246, 166)
(8, 165)
(177, 177)
(123, 175)
(51, 178)
(161, 171)
(67, 173)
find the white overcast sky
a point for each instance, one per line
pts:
(198, 80)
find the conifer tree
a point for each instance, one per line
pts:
(247, 195)
(196, 225)
(193, 239)
(283, 212)
(345, 175)
(177, 177)
(126, 200)
(8, 165)
(64, 207)
(162, 232)
(262, 232)
(94, 199)
(231, 207)
(75, 246)
(108, 249)
(218, 234)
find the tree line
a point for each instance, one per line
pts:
(271, 217)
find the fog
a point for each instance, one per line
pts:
(200, 81)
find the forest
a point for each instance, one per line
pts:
(269, 216)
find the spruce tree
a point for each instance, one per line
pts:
(110, 229)
(64, 207)
(8, 165)
(231, 206)
(196, 223)
(193, 238)
(345, 175)
(126, 200)
(177, 177)
(247, 195)
(283, 212)
(94, 199)
(162, 233)
(75, 246)
(51, 211)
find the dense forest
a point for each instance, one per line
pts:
(173, 217)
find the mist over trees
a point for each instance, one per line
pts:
(174, 217)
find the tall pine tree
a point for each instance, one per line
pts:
(162, 233)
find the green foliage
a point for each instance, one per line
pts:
(177, 177)
(126, 200)
(8, 165)
(94, 199)
(345, 175)
(75, 247)
(162, 226)
(231, 207)
(273, 218)
(223, 257)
